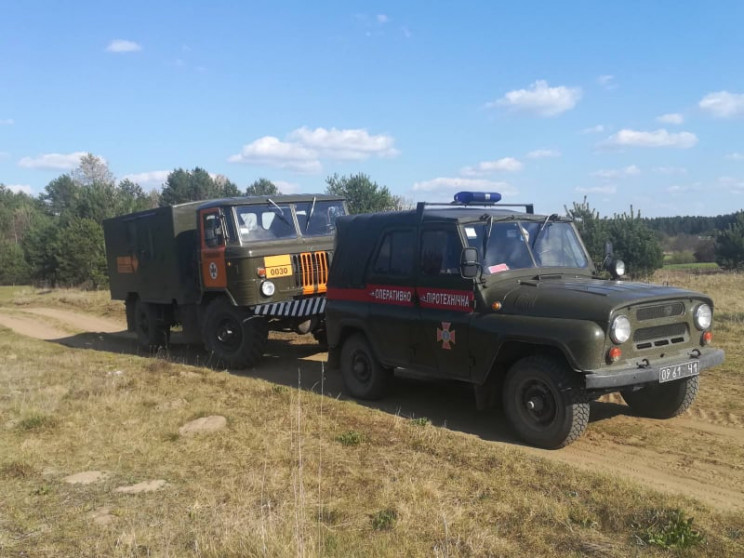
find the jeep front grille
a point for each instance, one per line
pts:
(668, 310)
(311, 271)
(658, 336)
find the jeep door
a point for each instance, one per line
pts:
(445, 304)
(390, 293)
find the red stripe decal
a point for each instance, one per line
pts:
(446, 299)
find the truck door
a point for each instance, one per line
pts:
(445, 304)
(213, 234)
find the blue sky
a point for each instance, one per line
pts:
(636, 103)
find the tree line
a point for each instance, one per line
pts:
(56, 238)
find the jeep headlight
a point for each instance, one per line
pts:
(267, 288)
(620, 329)
(703, 316)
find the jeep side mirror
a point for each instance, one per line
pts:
(615, 267)
(469, 264)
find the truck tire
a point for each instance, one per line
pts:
(152, 331)
(544, 402)
(364, 376)
(234, 336)
(662, 401)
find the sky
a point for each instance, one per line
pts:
(627, 103)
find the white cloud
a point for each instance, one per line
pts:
(608, 189)
(543, 154)
(7, 122)
(607, 81)
(598, 129)
(25, 188)
(382, 18)
(445, 185)
(505, 164)
(681, 189)
(631, 170)
(53, 161)
(671, 118)
(735, 156)
(350, 144)
(723, 104)
(657, 138)
(287, 187)
(540, 99)
(151, 179)
(669, 170)
(121, 45)
(305, 148)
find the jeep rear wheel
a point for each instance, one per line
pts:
(662, 401)
(364, 376)
(544, 402)
(152, 331)
(234, 336)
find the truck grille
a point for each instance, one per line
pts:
(660, 311)
(311, 271)
(658, 336)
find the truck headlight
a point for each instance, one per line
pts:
(703, 316)
(620, 329)
(268, 288)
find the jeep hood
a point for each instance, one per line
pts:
(578, 297)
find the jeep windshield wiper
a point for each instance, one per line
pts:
(281, 211)
(310, 213)
(550, 217)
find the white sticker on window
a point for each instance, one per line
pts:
(470, 232)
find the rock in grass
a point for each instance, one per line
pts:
(203, 425)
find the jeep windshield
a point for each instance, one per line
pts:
(505, 245)
(318, 218)
(265, 222)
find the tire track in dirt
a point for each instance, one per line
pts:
(704, 466)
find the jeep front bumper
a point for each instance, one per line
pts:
(643, 374)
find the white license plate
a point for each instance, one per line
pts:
(678, 371)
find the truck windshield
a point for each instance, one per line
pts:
(525, 244)
(265, 222)
(318, 219)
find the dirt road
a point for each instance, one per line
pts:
(700, 454)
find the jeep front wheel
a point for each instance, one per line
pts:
(364, 376)
(234, 336)
(662, 401)
(544, 402)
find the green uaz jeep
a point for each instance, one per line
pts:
(510, 302)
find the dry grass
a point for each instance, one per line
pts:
(98, 303)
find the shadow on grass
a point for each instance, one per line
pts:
(297, 361)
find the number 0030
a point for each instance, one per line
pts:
(279, 271)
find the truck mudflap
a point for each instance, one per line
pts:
(310, 306)
(603, 379)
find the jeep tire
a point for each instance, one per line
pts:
(662, 401)
(364, 376)
(544, 402)
(152, 330)
(236, 338)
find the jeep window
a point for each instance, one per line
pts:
(265, 222)
(440, 252)
(395, 256)
(323, 215)
(524, 244)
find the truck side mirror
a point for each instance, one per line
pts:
(469, 264)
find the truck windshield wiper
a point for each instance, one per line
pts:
(281, 211)
(310, 214)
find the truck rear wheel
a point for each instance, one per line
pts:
(544, 402)
(152, 331)
(364, 376)
(662, 401)
(234, 336)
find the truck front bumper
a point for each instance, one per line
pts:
(622, 377)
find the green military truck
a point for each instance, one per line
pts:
(510, 302)
(225, 270)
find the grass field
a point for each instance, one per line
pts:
(297, 473)
(698, 266)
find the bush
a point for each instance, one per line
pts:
(730, 244)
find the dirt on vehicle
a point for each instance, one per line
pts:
(699, 454)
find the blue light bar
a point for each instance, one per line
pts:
(477, 197)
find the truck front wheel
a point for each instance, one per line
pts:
(544, 402)
(662, 401)
(152, 330)
(364, 376)
(234, 336)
